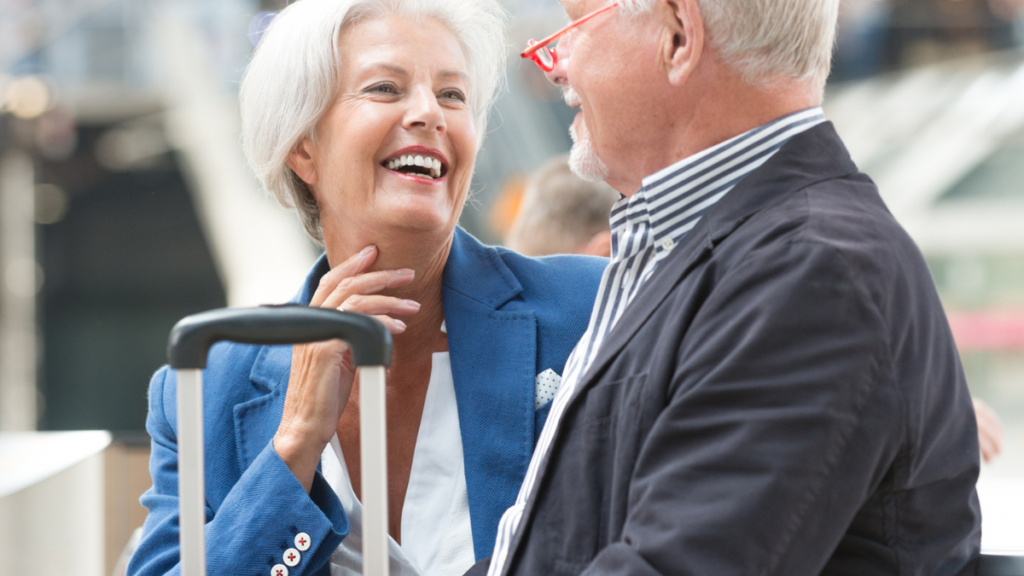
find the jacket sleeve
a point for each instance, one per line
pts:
(257, 521)
(781, 420)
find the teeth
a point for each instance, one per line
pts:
(433, 164)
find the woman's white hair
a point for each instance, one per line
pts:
(292, 79)
(765, 40)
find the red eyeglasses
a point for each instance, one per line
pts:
(546, 57)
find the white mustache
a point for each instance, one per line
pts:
(572, 99)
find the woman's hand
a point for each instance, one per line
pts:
(322, 372)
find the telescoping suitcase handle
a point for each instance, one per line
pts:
(187, 349)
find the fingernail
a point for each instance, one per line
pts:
(411, 304)
(405, 273)
(366, 251)
(400, 324)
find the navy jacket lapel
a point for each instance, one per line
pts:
(806, 159)
(493, 357)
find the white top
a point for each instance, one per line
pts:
(437, 539)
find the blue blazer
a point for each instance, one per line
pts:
(508, 317)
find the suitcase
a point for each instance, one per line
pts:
(189, 343)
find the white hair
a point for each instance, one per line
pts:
(765, 40)
(292, 79)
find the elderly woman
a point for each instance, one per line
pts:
(366, 116)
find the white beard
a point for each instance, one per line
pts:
(583, 160)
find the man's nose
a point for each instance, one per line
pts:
(558, 72)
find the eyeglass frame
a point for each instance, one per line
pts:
(534, 46)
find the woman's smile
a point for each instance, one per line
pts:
(417, 164)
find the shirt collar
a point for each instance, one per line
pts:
(671, 201)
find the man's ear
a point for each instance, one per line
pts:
(682, 39)
(301, 162)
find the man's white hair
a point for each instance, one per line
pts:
(766, 40)
(293, 78)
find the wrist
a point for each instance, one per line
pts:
(299, 455)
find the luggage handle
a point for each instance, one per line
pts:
(193, 336)
(187, 349)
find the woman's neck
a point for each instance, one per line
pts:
(424, 253)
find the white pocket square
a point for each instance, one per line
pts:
(548, 382)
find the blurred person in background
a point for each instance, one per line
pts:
(924, 31)
(366, 116)
(860, 39)
(561, 213)
(990, 431)
(1011, 11)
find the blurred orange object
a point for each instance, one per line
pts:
(506, 206)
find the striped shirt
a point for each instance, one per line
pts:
(645, 228)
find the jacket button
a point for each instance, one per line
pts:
(302, 541)
(279, 570)
(292, 557)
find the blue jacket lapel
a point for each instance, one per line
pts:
(256, 420)
(493, 356)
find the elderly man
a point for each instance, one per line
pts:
(768, 384)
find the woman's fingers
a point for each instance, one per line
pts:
(348, 279)
(382, 308)
(375, 304)
(394, 325)
(369, 283)
(351, 267)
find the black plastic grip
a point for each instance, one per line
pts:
(193, 335)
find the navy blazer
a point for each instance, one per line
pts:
(508, 319)
(783, 397)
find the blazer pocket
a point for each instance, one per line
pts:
(607, 399)
(565, 568)
(599, 436)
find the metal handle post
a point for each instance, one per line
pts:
(189, 344)
(373, 445)
(191, 490)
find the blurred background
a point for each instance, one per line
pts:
(125, 204)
